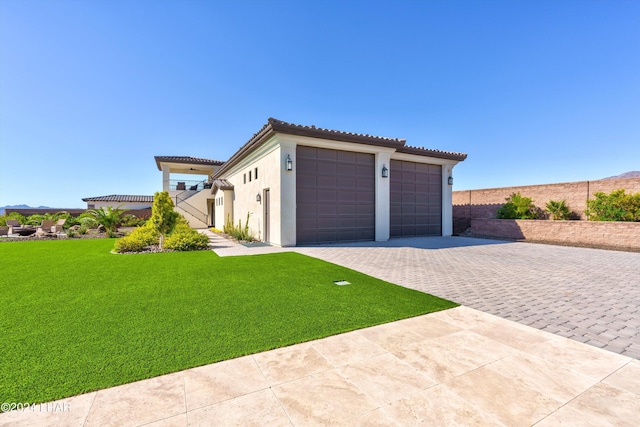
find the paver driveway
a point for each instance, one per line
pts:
(589, 295)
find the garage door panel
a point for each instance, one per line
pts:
(307, 209)
(347, 222)
(326, 236)
(343, 196)
(329, 223)
(326, 196)
(326, 209)
(325, 181)
(346, 156)
(365, 210)
(416, 199)
(324, 154)
(346, 182)
(363, 196)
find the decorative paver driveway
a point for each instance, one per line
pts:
(589, 295)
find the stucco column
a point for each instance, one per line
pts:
(165, 177)
(447, 200)
(288, 233)
(383, 198)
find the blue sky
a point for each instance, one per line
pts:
(534, 91)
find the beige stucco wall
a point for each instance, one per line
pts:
(267, 160)
(222, 207)
(121, 205)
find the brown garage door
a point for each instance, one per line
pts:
(416, 199)
(335, 196)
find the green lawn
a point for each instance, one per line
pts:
(76, 318)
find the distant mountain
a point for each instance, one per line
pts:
(632, 174)
(2, 208)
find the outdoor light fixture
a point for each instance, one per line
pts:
(258, 198)
(385, 171)
(450, 180)
(289, 163)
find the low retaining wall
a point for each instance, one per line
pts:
(603, 234)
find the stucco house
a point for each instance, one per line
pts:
(128, 202)
(307, 185)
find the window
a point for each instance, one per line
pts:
(255, 173)
(249, 176)
(244, 177)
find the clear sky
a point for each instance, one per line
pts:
(534, 91)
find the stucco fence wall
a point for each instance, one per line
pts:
(602, 234)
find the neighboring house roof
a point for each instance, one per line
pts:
(120, 198)
(186, 159)
(220, 184)
(278, 126)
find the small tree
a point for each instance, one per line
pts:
(108, 217)
(558, 209)
(163, 217)
(518, 207)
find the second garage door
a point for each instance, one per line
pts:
(416, 199)
(335, 196)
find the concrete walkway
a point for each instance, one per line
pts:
(460, 366)
(455, 367)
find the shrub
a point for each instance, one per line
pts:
(186, 239)
(83, 229)
(137, 241)
(13, 215)
(615, 206)
(518, 207)
(558, 209)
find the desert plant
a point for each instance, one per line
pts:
(615, 206)
(518, 207)
(239, 232)
(558, 209)
(163, 217)
(108, 217)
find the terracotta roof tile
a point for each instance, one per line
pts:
(187, 159)
(278, 126)
(220, 184)
(120, 198)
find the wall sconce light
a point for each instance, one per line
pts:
(289, 163)
(385, 171)
(258, 198)
(450, 180)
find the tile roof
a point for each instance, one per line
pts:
(421, 151)
(278, 126)
(220, 184)
(120, 198)
(186, 159)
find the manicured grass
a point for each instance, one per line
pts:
(76, 318)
